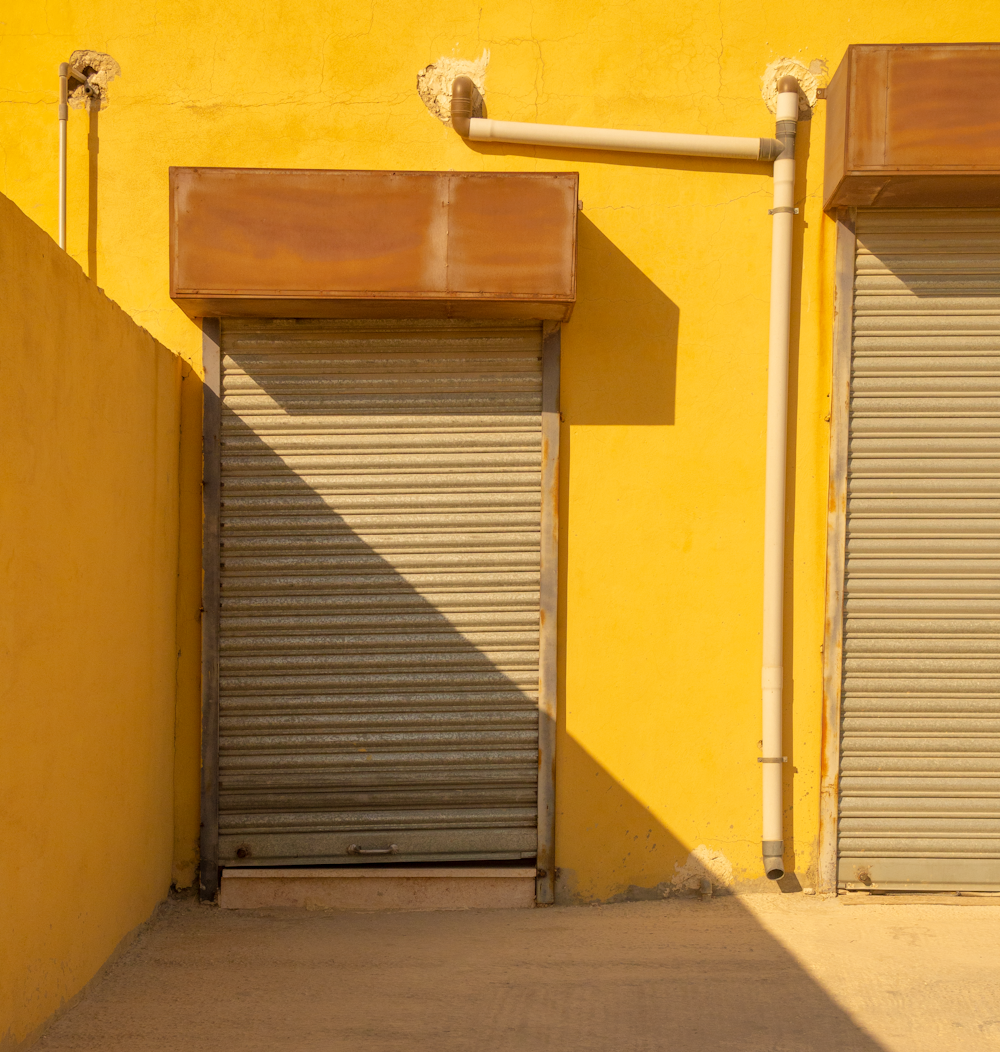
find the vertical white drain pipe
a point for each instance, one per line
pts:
(65, 72)
(772, 674)
(63, 118)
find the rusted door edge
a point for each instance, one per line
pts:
(211, 337)
(836, 532)
(549, 593)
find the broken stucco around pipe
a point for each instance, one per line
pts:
(99, 69)
(810, 78)
(434, 82)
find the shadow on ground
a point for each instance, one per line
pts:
(641, 977)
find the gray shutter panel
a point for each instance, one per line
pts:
(380, 602)
(920, 764)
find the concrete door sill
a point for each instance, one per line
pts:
(863, 898)
(377, 888)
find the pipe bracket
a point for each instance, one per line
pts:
(772, 759)
(782, 208)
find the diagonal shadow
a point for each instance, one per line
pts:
(737, 962)
(622, 337)
(319, 659)
(687, 977)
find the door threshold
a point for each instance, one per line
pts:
(380, 888)
(910, 898)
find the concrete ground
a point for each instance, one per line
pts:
(768, 973)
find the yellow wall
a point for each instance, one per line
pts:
(664, 365)
(89, 418)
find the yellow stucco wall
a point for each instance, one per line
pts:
(89, 418)
(664, 360)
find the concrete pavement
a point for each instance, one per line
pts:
(765, 973)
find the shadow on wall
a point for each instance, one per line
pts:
(640, 856)
(600, 818)
(622, 336)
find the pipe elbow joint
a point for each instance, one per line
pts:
(788, 84)
(774, 863)
(462, 93)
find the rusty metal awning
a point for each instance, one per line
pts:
(252, 242)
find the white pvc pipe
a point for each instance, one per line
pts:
(482, 129)
(63, 118)
(782, 152)
(774, 486)
(65, 72)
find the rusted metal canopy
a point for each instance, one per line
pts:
(250, 242)
(914, 126)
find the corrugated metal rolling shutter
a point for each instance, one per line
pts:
(380, 591)
(920, 766)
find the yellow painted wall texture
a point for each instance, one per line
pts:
(664, 359)
(89, 419)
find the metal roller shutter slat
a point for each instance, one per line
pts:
(440, 701)
(379, 821)
(510, 780)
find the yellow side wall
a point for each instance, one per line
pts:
(664, 360)
(89, 437)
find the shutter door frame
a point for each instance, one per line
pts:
(209, 868)
(836, 537)
(211, 593)
(938, 870)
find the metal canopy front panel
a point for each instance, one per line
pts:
(380, 591)
(248, 242)
(920, 746)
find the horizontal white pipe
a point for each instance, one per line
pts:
(482, 129)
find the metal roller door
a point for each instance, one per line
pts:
(379, 633)
(920, 746)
